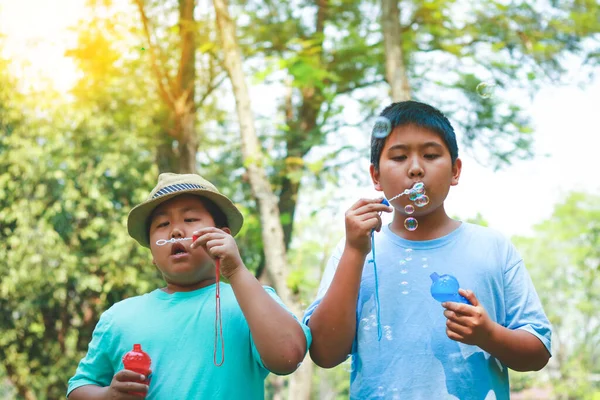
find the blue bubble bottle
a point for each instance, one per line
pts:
(445, 288)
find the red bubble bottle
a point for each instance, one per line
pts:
(138, 361)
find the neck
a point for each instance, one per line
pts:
(431, 226)
(177, 287)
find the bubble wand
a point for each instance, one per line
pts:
(218, 319)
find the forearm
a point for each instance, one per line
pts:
(333, 323)
(88, 392)
(517, 349)
(278, 337)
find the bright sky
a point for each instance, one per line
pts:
(512, 200)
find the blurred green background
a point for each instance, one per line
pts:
(97, 97)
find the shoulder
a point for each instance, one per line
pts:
(485, 240)
(484, 234)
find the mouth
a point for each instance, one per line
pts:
(178, 250)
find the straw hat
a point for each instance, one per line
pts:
(171, 185)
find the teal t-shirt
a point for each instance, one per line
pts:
(178, 332)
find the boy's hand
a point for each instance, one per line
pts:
(127, 385)
(361, 219)
(469, 324)
(220, 244)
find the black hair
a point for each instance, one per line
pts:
(217, 214)
(420, 114)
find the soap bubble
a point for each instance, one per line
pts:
(486, 89)
(404, 283)
(382, 127)
(409, 209)
(425, 265)
(409, 250)
(402, 262)
(419, 187)
(410, 224)
(404, 271)
(408, 258)
(424, 259)
(413, 195)
(405, 292)
(380, 392)
(422, 200)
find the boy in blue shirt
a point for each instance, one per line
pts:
(176, 325)
(426, 351)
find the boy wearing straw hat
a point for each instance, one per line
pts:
(189, 226)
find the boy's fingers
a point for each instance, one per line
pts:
(362, 202)
(205, 238)
(126, 375)
(458, 308)
(469, 295)
(128, 387)
(206, 230)
(373, 207)
(454, 317)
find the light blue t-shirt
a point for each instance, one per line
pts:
(415, 359)
(178, 333)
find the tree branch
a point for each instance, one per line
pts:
(166, 92)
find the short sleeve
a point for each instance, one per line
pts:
(305, 328)
(96, 367)
(326, 280)
(523, 306)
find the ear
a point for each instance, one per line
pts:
(226, 230)
(375, 178)
(456, 169)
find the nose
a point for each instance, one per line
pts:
(176, 232)
(415, 170)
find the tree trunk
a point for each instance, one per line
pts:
(272, 231)
(395, 67)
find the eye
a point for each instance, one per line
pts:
(191, 219)
(162, 224)
(399, 158)
(431, 156)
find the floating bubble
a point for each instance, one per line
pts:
(425, 265)
(404, 283)
(367, 328)
(402, 262)
(422, 201)
(409, 209)
(380, 392)
(404, 271)
(486, 89)
(424, 259)
(405, 292)
(410, 224)
(382, 127)
(408, 250)
(409, 258)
